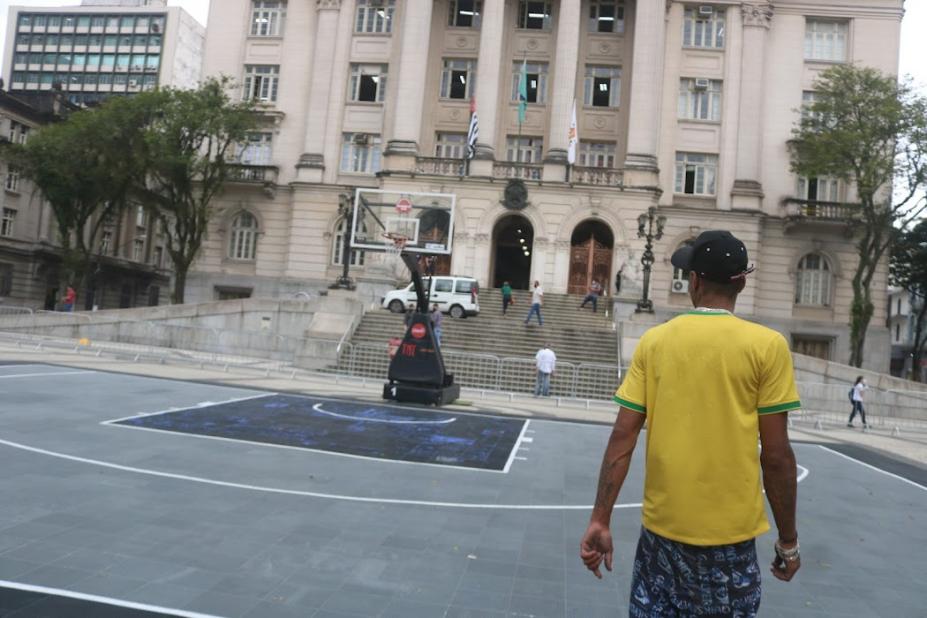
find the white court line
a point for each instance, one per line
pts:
(307, 494)
(802, 474)
(521, 436)
(871, 467)
(202, 404)
(35, 375)
(80, 596)
(318, 408)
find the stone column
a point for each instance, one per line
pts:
(640, 164)
(747, 191)
(413, 66)
(312, 162)
(564, 89)
(492, 30)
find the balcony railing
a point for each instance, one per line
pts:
(434, 166)
(508, 169)
(253, 173)
(813, 210)
(597, 176)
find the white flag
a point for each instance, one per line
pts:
(572, 137)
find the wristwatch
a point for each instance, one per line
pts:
(787, 555)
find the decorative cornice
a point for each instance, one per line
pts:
(325, 5)
(757, 15)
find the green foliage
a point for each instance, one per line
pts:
(869, 130)
(909, 271)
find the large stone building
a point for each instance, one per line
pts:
(684, 106)
(101, 48)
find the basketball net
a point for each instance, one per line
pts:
(394, 249)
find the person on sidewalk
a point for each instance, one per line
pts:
(436, 319)
(537, 299)
(546, 362)
(856, 396)
(70, 298)
(506, 296)
(707, 384)
(595, 290)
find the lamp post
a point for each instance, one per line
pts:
(345, 212)
(645, 229)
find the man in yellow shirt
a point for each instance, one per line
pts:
(708, 384)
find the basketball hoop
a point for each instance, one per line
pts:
(397, 242)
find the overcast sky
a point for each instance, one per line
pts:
(913, 33)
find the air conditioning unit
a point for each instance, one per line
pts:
(680, 287)
(361, 139)
(706, 10)
(701, 83)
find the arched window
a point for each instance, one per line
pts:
(812, 286)
(357, 257)
(243, 243)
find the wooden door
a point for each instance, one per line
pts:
(589, 260)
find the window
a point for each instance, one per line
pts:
(451, 145)
(897, 333)
(127, 22)
(12, 178)
(6, 222)
(696, 173)
(808, 99)
(106, 242)
(444, 285)
(83, 21)
(818, 347)
(524, 149)
(157, 257)
(699, 99)
(464, 13)
(368, 82)
(357, 257)
(534, 15)
(812, 285)
(463, 287)
(267, 17)
(826, 40)
(98, 21)
(138, 249)
(25, 20)
(360, 153)
(596, 154)
(458, 80)
(898, 306)
(243, 243)
(606, 16)
(536, 81)
(261, 82)
(703, 26)
(603, 86)
(6, 279)
(141, 217)
(375, 16)
(258, 149)
(819, 189)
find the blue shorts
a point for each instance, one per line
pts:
(673, 579)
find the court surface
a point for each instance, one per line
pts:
(136, 497)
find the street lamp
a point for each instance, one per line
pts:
(645, 229)
(345, 212)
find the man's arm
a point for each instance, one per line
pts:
(781, 482)
(596, 545)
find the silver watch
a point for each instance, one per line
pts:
(787, 555)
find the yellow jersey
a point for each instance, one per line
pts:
(703, 379)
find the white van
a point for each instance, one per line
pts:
(456, 296)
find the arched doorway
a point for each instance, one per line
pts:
(433, 229)
(513, 244)
(591, 249)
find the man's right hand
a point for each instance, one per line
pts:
(596, 547)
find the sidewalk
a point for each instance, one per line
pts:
(910, 446)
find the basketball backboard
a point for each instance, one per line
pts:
(424, 220)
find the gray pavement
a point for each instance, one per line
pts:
(244, 529)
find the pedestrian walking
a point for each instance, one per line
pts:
(856, 398)
(618, 280)
(593, 296)
(506, 296)
(436, 319)
(546, 362)
(70, 298)
(707, 384)
(537, 299)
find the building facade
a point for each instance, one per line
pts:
(682, 106)
(101, 48)
(903, 311)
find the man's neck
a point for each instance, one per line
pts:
(717, 302)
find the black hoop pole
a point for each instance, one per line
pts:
(411, 261)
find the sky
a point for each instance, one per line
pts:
(913, 41)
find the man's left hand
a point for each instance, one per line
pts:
(596, 547)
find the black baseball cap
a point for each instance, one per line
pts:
(715, 255)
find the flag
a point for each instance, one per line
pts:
(523, 92)
(572, 137)
(473, 133)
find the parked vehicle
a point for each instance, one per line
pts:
(457, 296)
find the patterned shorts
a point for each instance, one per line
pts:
(673, 579)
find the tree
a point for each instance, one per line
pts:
(870, 131)
(909, 271)
(186, 155)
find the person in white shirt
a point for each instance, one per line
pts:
(537, 299)
(546, 362)
(857, 398)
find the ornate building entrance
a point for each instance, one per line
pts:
(513, 244)
(591, 249)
